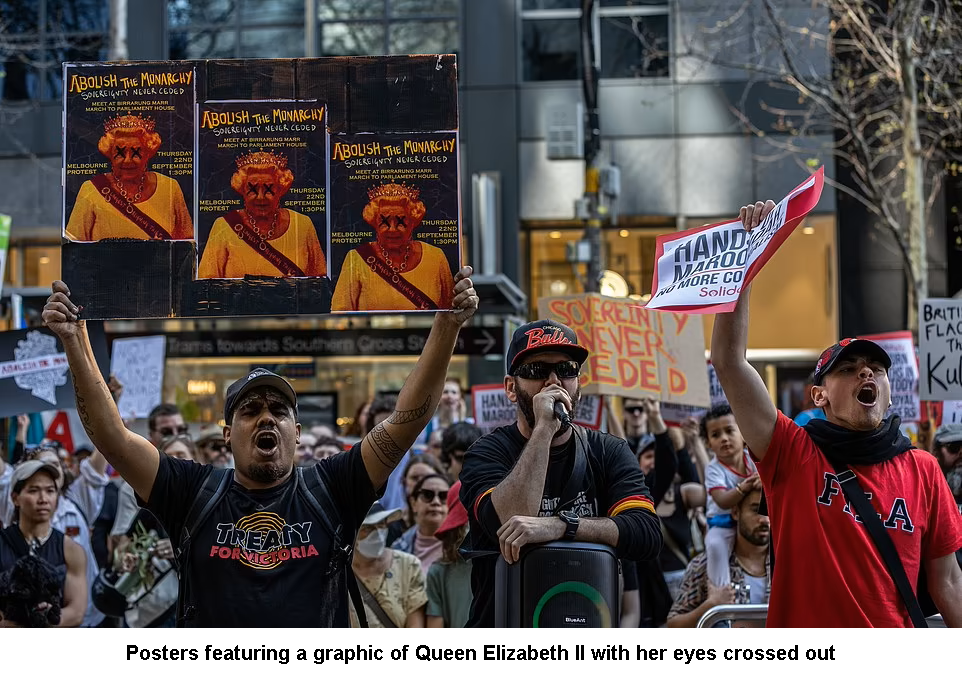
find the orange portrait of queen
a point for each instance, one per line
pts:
(130, 201)
(395, 272)
(262, 238)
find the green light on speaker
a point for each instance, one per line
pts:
(587, 591)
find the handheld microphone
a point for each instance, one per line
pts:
(562, 414)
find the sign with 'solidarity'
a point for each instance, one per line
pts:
(703, 271)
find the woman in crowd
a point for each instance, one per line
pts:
(429, 502)
(418, 467)
(391, 582)
(449, 579)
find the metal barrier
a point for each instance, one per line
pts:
(759, 612)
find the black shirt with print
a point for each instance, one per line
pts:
(612, 476)
(261, 557)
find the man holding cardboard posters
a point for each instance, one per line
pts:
(514, 480)
(273, 549)
(803, 470)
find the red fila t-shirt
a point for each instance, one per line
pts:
(828, 572)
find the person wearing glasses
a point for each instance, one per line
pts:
(513, 478)
(947, 449)
(429, 505)
(635, 422)
(165, 420)
(212, 448)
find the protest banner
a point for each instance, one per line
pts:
(675, 415)
(33, 370)
(904, 373)
(704, 270)
(410, 180)
(589, 411)
(261, 189)
(491, 406)
(940, 349)
(175, 120)
(952, 412)
(634, 352)
(138, 364)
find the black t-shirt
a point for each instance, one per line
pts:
(613, 487)
(261, 557)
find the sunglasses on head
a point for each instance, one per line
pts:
(542, 370)
(428, 495)
(634, 410)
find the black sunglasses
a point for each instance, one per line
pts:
(171, 431)
(427, 495)
(634, 410)
(954, 447)
(217, 446)
(542, 370)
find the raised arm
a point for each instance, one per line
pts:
(132, 455)
(385, 445)
(754, 410)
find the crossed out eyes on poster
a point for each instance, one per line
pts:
(128, 152)
(261, 187)
(33, 370)
(394, 234)
(704, 270)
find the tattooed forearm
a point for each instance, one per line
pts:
(408, 416)
(82, 408)
(389, 453)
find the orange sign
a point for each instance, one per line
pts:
(635, 351)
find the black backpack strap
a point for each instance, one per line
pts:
(215, 487)
(576, 479)
(883, 541)
(319, 499)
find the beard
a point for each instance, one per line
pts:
(265, 473)
(757, 537)
(526, 405)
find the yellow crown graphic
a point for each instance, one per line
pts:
(278, 160)
(129, 121)
(395, 190)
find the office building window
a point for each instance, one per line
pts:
(387, 27)
(631, 39)
(39, 35)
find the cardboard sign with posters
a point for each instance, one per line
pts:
(635, 352)
(261, 189)
(149, 144)
(675, 415)
(33, 370)
(903, 375)
(703, 271)
(128, 152)
(940, 349)
(395, 231)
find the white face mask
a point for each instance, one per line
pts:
(373, 545)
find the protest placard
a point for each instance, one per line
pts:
(674, 414)
(940, 349)
(491, 406)
(138, 363)
(172, 119)
(589, 411)
(33, 370)
(952, 412)
(261, 189)
(395, 196)
(904, 373)
(704, 270)
(635, 352)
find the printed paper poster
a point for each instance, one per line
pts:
(903, 375)
(128, 151)
(261, 189)
(704, 270)
(492, 407)
(395, 228)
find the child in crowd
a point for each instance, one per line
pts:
(729, 477)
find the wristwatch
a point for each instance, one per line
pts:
(571, 520)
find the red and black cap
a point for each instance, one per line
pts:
(256, 379)
(546, 335)
(848, 346)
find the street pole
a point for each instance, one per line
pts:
(117, 50)
(589, 83)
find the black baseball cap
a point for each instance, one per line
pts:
(544, 335)
(848, 346)
(256, 379)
